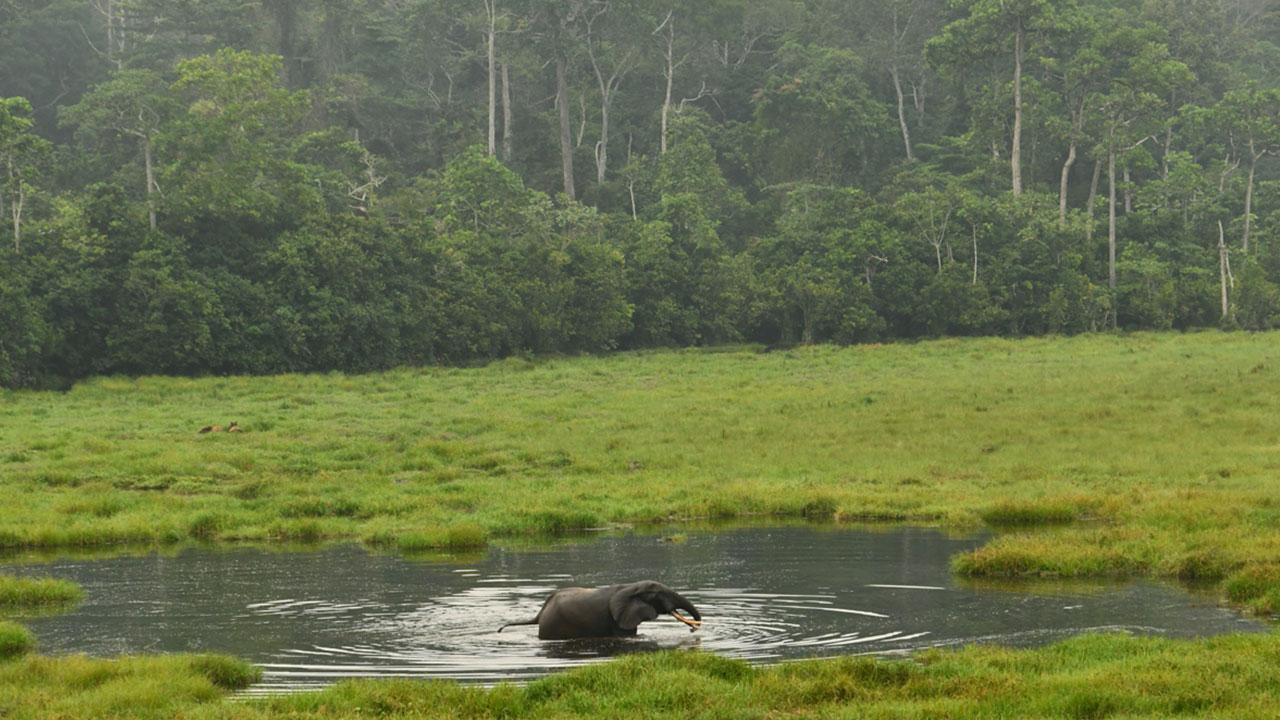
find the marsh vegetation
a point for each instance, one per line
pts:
(1135, 455)
(1141, 455)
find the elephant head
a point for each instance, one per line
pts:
(633, 604)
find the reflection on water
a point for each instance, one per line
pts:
(765, 594)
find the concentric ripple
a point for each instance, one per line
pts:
(766, 595)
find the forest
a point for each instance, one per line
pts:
(263, 186)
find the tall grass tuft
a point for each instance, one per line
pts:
(226, 672)
(1024, 513)
(27, 594)
(466, 536)
(15, 641)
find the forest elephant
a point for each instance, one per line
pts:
(613, 611)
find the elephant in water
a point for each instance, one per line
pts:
(613, 611)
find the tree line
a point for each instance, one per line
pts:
(258, 186)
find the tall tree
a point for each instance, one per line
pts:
(133, 104)
(612, 53)
(1252, 116)
(21, 153)
(1131, 105)
(999, 28)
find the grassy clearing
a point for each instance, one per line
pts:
(1103, 455)
(1087, 677)
(24, 595)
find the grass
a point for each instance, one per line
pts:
(1086, 677)
(23, 594)
(1100, 456)
(157, 687)
(15, 640)
(1151, 454)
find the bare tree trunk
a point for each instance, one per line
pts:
(1128, 191)
(975, 254)
(1224, 270)
(1248, 196)
(15, 205)
(1064, 184)
(566, 132)
(671, 76)
(1093, 199)
(1168, 145)
(491, 33)
(508, 139)
(602, 147)
(607, 87)
(109, 9)
(1111, 219)
(113, 21)
(1016, 151)
(902, 111)
(151, 181)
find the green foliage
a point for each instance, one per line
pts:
(222, 187)
(15, 641)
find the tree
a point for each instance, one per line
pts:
(896, 42)
(820, 265)
(818, 119)
(1129, 105)
(230, 151)
(612, 54)
(21, 153)
(1252, 117)
(999, 28)
(133, 104)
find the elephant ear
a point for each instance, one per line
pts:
(629, 610)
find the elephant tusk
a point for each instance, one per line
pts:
(695, 624)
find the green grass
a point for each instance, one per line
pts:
(23, 594)
(159, 687)
(1103, 455)
(1086, 677)
(15, 640)
(1100, 456)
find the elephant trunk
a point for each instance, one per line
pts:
(683, 604)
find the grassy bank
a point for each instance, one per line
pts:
(1103, 455)
(1088, 677)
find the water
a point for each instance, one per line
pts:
(311, 618)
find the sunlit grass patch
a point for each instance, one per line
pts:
(24, 593)
(1257, 586)
(1025, 513)
(467, 536)
(15, 640)
(1048, 555)
(153, 687)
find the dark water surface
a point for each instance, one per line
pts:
(310, 618)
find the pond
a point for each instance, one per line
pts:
(766, 594)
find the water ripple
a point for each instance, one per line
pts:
(766, 595)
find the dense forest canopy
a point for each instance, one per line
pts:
(262, 186)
